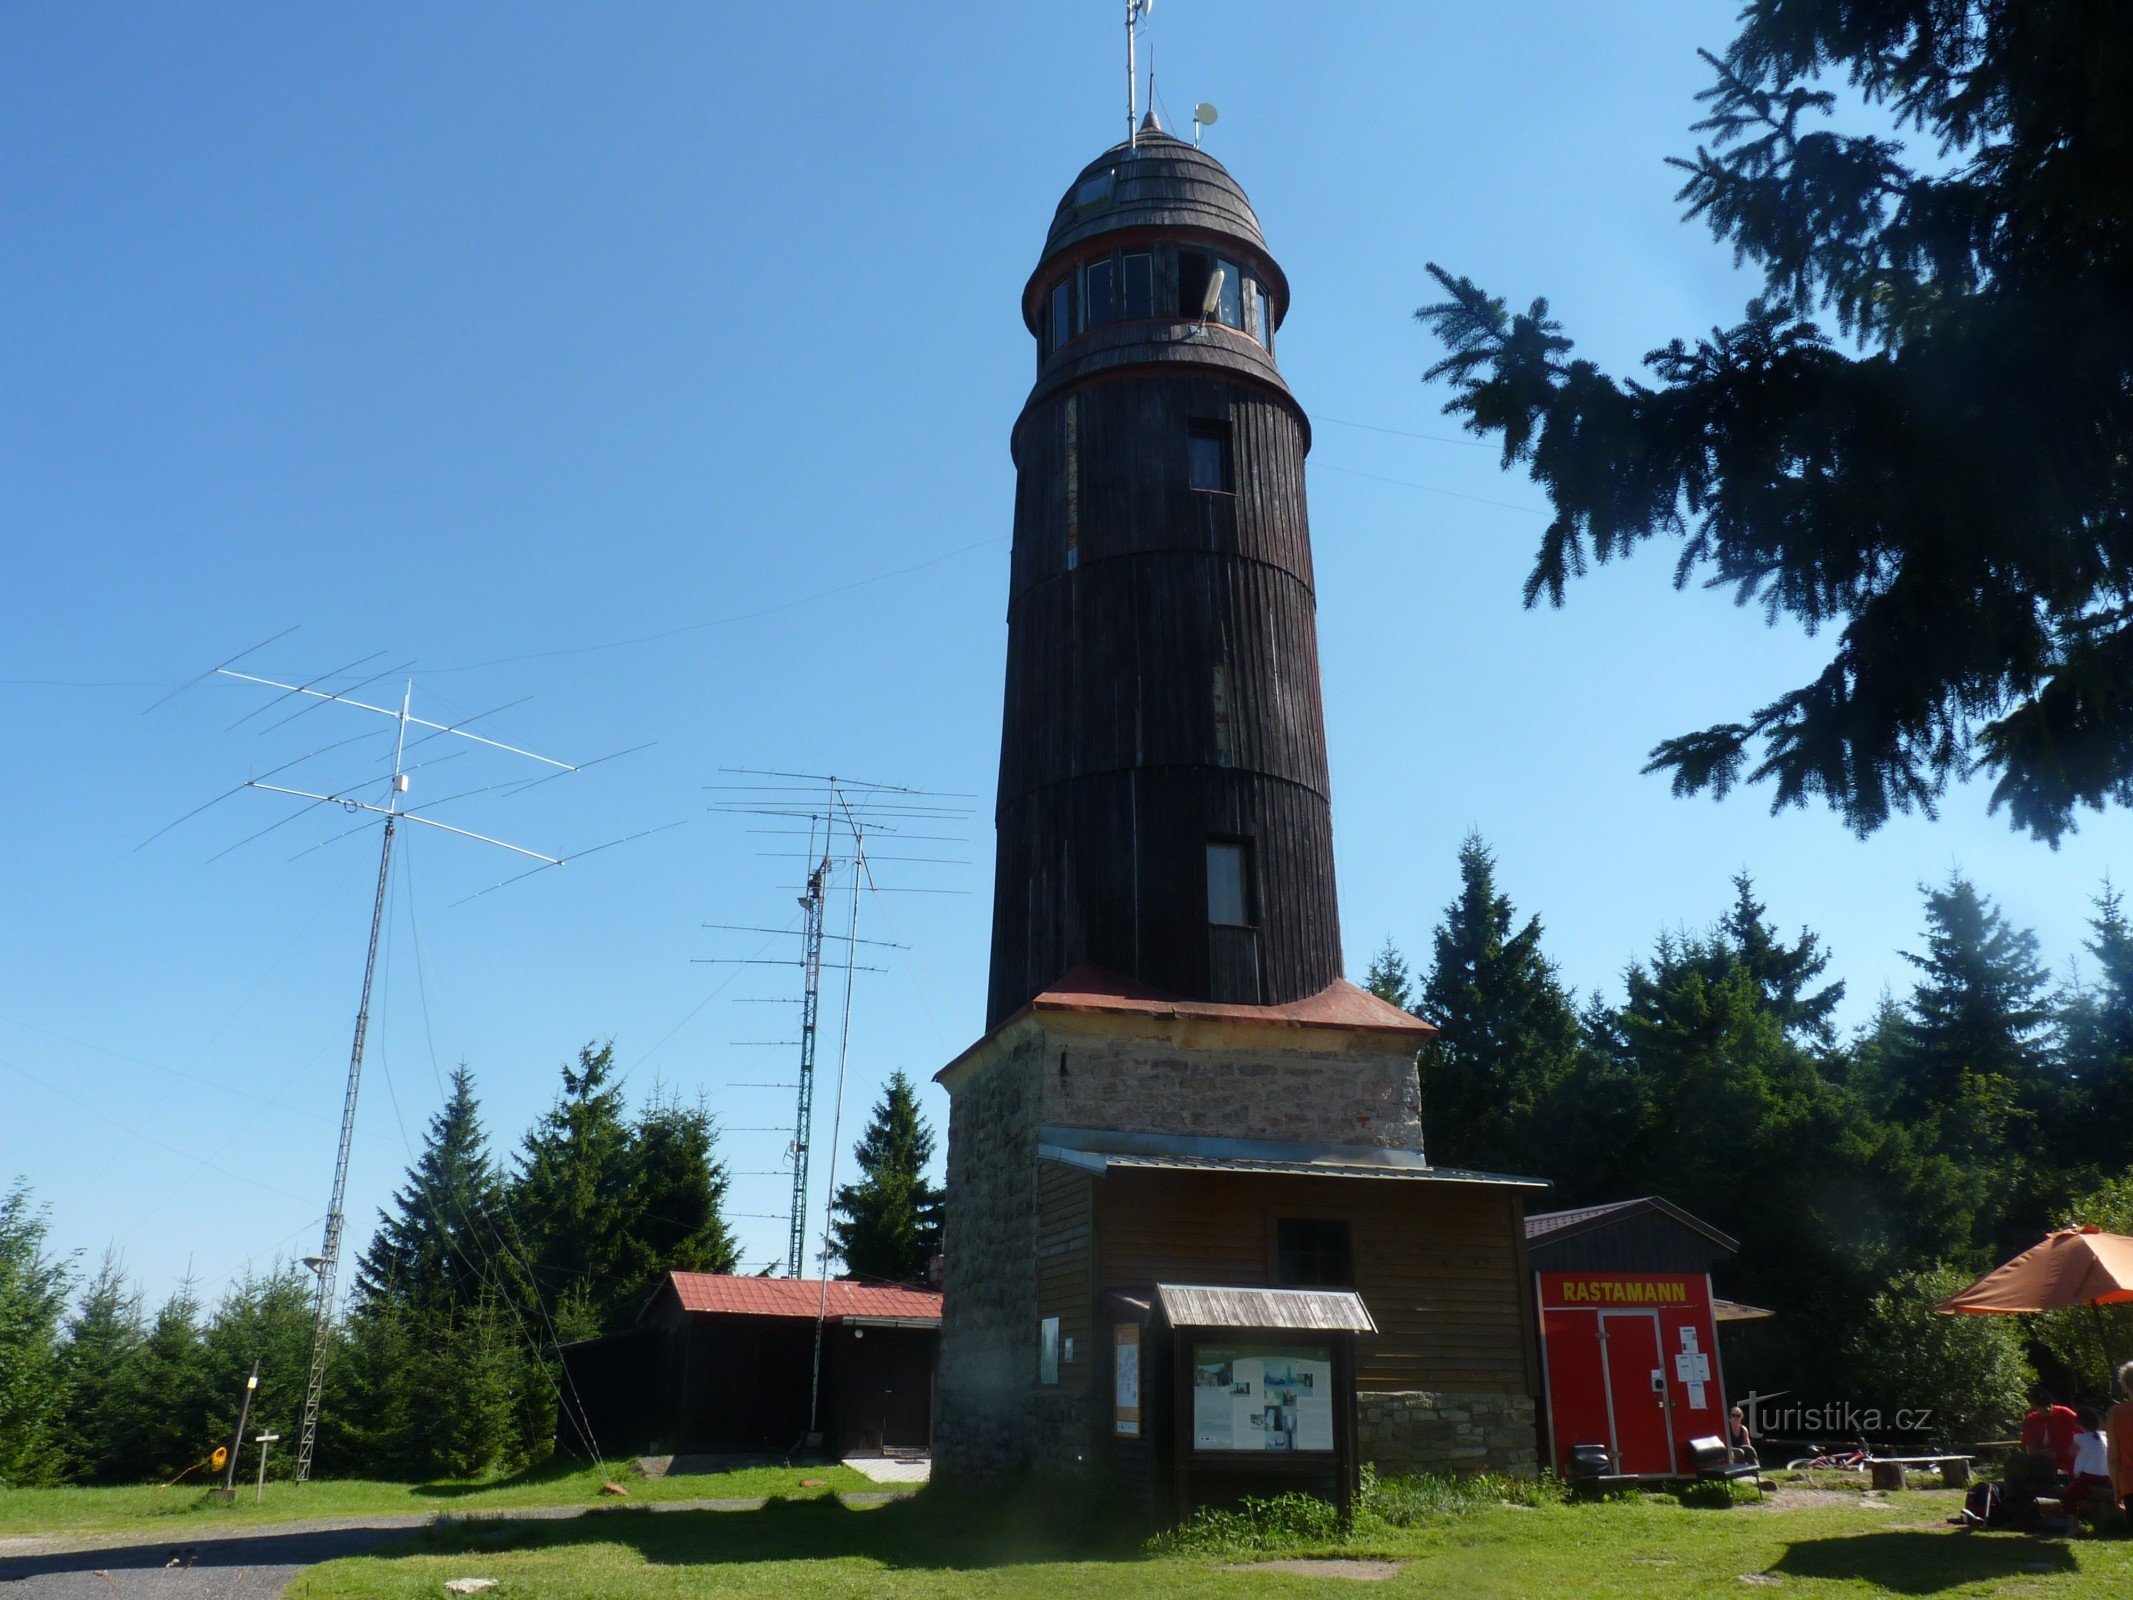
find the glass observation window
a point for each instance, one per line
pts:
(1097, 299)
(1229, 297)
(1137, 290)
(1228, 894)
(1062, 312)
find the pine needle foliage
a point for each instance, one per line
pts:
(1944, 482)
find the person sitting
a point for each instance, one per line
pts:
(2119, 1431)
(2089, 1486)
(2049, 1431)
(1739, 1442)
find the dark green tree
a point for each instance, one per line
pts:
(433, 1245)
(2092, 1126)
(163, 1394)
(1389, 978)
(370, 1427)
(1787, 974)
(33, 1298)
(570, 1208)
(678, 1195)
(1945, 492)
(888, 1224)
(263, 1317)
(1507, 1039)
(104, 1338)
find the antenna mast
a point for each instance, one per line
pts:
(394, 813)
(1136, 12)
(810, 1005)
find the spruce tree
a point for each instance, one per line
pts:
(1389, 978)
(1937, 486)
(2093, 1123)
(677, 1195)
(263, 1317)
(570, 1208)
(104, 1339)
(888, 1224)
(164, 1394)
(432, 1248)
(1785, 973)
(33, 1297)
(1507, 1037)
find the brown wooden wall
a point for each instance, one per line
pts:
(1162, 690)
(1065, 1262)
(1437, 1264)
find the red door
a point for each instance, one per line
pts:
(1636, 1391)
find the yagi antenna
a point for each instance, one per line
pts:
(394, 810)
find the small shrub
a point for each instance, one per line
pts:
(1718, 1494)
(1254, 1527)
(1403, 1502)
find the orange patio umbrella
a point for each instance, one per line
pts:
(2074, 1267)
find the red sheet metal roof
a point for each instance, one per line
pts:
(800, 1297)
(1339, 1005)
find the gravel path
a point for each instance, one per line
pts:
(253, 1563)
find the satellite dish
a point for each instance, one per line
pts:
(1206, 115)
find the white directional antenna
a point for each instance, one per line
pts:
(1204, 115)
(395, 809)
(1136, 13)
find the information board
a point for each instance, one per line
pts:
(1262, 1397)
(1126, 1391)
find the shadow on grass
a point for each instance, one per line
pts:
(926, 1531)
(1924, 1561)
(550, 1471)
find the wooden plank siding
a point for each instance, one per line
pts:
(1162, 690)
(1437, 1264)
(1066, 1217)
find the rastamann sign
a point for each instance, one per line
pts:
(1621, 1292)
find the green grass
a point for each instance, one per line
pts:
(53, 1511)
(930, 1549)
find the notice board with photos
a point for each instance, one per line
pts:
(1262, 1397)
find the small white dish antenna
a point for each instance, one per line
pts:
(1204, 115)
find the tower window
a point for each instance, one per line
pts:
(1229, 898)
(1312, 1253)
(1194, 267)
(1137, 291)
(1229, 295)
(1207, 462)
(1096, 294)
(1062, 312)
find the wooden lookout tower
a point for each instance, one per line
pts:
(1192, 1238)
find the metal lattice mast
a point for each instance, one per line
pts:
(804, 1114)
(329, 1270)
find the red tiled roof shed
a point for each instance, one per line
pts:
(800, 1298)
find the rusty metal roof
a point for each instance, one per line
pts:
(1340, 1004)
(1195, 1305)
(722, 1295)
(1100, 1150)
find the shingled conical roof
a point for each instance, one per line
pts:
(1158, 182)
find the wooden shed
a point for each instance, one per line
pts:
(725, 1365)
(1629, 1333)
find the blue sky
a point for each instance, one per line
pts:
(489, 338)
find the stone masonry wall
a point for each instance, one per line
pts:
(988, 1358)
(1127, 1085)
(1420, 1431)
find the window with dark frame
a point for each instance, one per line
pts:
(1098, 305)
(1207, 458)
(1137, 285)
(1313, 1253)
(1229, 302)
(1062, 312)
(1229, 883)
